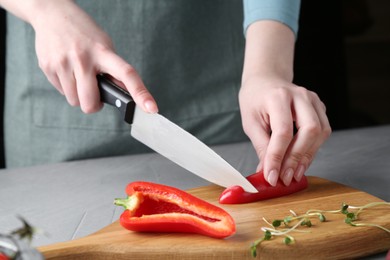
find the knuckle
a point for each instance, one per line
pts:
(284, 133)
(90, 108)
(307, 94)
(141, 93)
(312, 130)
(327, 131)
(246, 128)
(78, 56)
(316, 131)
(308, 157)
(314, 95)
(322, 104)
(260, 151)
(54, 64)
(44, 65)
(296, 157)
(128, 70)
(276, 157)
(73, 101)
(281, 94)
(302, 90)
(107, 47)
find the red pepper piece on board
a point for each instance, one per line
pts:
(237, 195)
(152, 207)
(3, 257)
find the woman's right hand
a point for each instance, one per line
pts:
(72, 49)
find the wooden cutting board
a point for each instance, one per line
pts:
(332, 239)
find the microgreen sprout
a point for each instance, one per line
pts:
(344, 208)
(271, 231)
(350, 217)
(277, 222)
(267, 236)
(288, 240)
(304, 220)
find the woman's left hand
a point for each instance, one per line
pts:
(270, 110)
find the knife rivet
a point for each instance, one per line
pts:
(118, 103)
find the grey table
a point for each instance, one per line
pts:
(73, 199)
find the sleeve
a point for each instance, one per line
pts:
(284, 11)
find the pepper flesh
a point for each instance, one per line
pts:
(237, 195)
(3, 256)
(152, 207)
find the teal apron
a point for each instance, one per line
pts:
(189, 54)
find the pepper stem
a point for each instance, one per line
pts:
(124, 202)
(131, 202)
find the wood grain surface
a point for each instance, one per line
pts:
(332, 239)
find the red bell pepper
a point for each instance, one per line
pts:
(152, 207)
(3, 257)
(237, 195)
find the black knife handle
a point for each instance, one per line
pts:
(116, 96)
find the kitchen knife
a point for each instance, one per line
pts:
(171, 141)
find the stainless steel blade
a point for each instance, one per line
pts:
(173, 142)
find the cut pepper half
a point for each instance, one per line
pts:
(237, 195)
(152, 207)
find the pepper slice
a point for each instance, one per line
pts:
(3, 256)
(237, 195)
(152, 207)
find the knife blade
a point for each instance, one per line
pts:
(170, 140)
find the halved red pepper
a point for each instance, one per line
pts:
(237, 195)
(3, 256)
(152, 207)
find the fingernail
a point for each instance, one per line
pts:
(150, 106)
(299, 173)
(273, 177)
(287, 177)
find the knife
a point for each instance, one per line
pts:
(170, 140)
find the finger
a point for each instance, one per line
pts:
(88, 92)
(86, 82)
(68, 85)
(53, 79)
(50, 73)
(281, 122)
(321, 112)
(325, 133)
(118, 68)
(309, 129)
(259, 134)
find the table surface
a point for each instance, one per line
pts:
(73, 199)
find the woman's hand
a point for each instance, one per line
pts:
(271, 106)
(72, 49)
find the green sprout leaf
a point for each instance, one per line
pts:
(287, 220)
(277, 223)
(306, 222)
(351, 215)
(267, 235)
(344, 208)
(348, 221)
(288, 240)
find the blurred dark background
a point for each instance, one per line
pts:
(342, 53)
